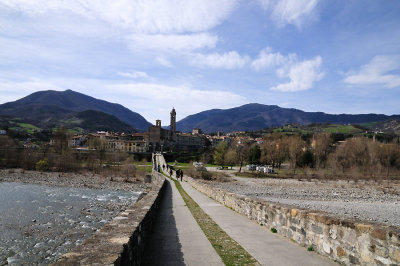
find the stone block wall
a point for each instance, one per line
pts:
(347, 241)
(122, 241)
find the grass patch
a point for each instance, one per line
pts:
(310, 248)
(344, 129)
(28, 127)
(143, 163)
(370, 124)
(273, 230)
(144, 168)
(228, 249)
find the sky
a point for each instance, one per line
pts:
(334, 56)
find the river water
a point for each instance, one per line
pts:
(40, 223)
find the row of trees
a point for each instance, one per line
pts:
(356, 156)
(64, 159)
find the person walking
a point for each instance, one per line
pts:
(178, 173)
(181, 174)
(170, 172)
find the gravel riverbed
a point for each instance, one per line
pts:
(78, 180)
(363, 200)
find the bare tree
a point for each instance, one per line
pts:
(237, 153)
(296, 148)
(321, 146)
(389, 156)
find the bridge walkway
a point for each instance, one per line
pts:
(267, 248)
(177, 238)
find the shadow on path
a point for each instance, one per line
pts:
(164, 247)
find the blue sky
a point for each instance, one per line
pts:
(334, 56)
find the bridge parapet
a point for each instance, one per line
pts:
(123, 240)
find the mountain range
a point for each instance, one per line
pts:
(258, 116)
(49, 109)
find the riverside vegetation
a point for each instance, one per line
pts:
(317, 156)
(61, 158)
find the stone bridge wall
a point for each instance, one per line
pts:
(121, 242)
(345, 241)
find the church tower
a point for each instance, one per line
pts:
(173, 121)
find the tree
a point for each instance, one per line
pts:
(321, 145)
(220, 153)
(296, 146)
(306, 159)
(237, 154)
(389, 156)
(274, 150)
(61, 140)
(254, 154)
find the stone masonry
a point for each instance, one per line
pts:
(123, 240)
(347, 241)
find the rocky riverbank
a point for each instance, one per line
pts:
(45, 214)
(363, 200)
(78, 180)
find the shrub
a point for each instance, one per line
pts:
(273, 230)
(206, 175)
(42, 165)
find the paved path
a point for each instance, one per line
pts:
(177, 238)
(266, 247)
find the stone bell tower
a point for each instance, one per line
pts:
(173, 121)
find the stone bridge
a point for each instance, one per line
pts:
(159, 230)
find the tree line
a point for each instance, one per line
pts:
(62, 158)
(320, 155)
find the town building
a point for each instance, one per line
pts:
(156, 139)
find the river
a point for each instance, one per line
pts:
(40, 223)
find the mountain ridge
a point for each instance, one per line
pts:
(255, 116)
(46, 105)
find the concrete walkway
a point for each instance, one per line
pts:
(177, 238)
(266, 247)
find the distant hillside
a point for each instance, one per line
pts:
(46, 108)
(258, 116)
(89, 121)
(391, 125)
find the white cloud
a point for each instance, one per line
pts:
(302, 75)
(151, 100)
(14, 90)
(184, 98)
(294, 12)
(144, 24)
(163, 61)
(229, 60)
(172, 42)
(376, 72)
(267, 59)
(140, 16)
(133, 74)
